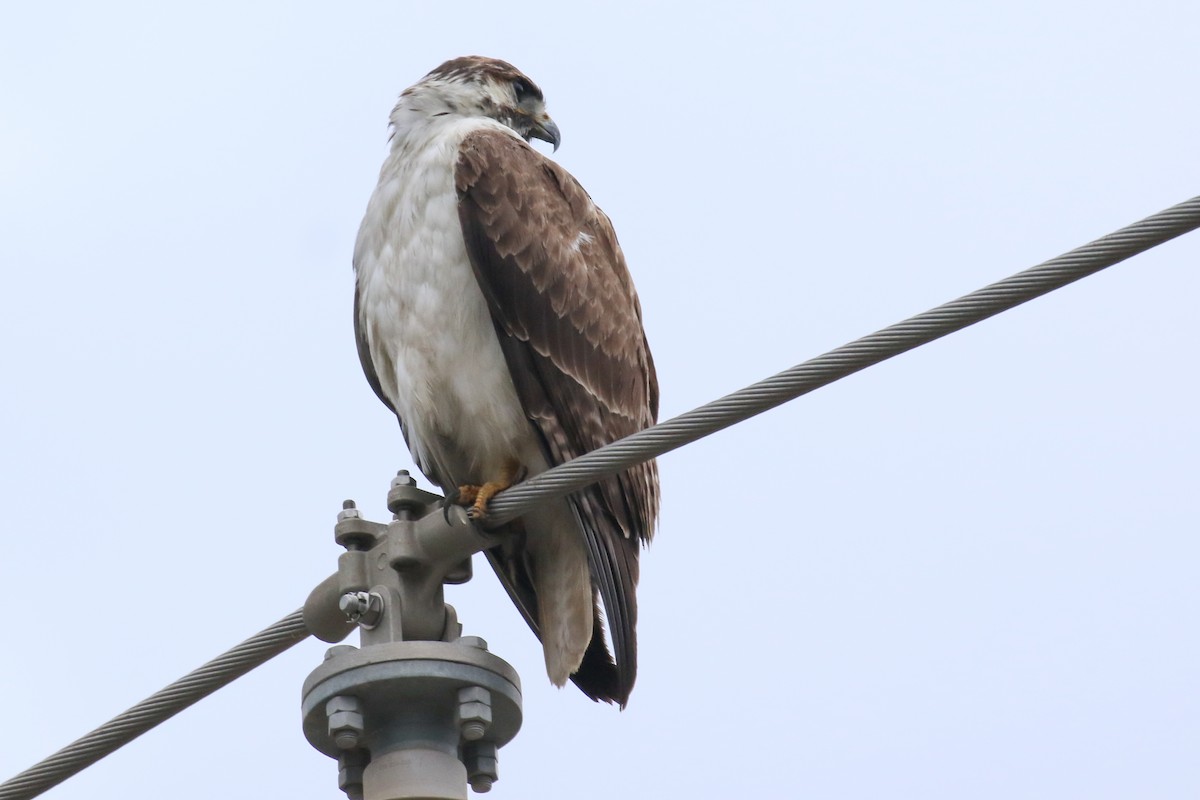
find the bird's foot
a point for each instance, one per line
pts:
(477, 497)
(478, 509)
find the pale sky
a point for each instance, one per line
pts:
(969, 572)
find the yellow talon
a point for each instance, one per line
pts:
(482, 494)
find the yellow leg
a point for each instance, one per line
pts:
(490, 489)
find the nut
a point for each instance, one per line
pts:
(482, 766)
(346, 723)
(474, 712)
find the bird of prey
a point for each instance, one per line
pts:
(495, 315)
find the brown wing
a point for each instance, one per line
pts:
(570, 325)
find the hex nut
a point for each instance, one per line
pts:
(483, 767)
(474, 694)
(351, 764)
(346, 723)
(474, 712)
(355, 533)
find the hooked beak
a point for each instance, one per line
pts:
(547, 131)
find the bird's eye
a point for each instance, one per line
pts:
(522, 89)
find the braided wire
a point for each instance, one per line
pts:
(655, 441)
(157, 708)
(845, 360)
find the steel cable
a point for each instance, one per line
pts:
(652, 442)
(847, 359)
(159, 707)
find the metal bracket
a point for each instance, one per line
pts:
(419, 710)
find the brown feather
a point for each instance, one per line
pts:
(570, 326)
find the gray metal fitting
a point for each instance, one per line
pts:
(364, 608)
(346, 723)
(408, 502)
(352, 531)
(339, 650)
(460, 574)
(474, 712)
(351, 765)
(483, 768)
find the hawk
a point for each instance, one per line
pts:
(495, 315)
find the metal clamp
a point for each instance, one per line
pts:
(418, 710)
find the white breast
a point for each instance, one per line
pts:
(425, 319)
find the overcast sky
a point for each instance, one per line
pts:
(969, 572)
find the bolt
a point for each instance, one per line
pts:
(482, 766)
(404, 499)
(352, 603)
(474, 712)
(351, 764)
(362, 607)
(349, 511)
(352, 531)
(346, 724)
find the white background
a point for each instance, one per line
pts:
(968, 572)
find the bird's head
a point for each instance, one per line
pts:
(475, 86)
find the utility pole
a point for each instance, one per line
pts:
(418, 711)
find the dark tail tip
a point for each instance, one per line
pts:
(599, 677)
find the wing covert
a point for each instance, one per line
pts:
(569, 323)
